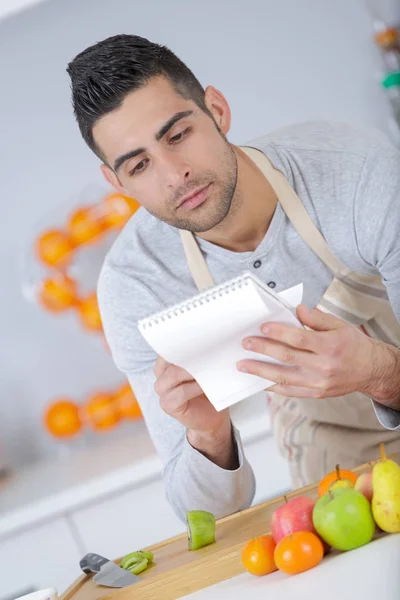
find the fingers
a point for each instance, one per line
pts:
(291, 336)
(171, 378)
(282, 375)
(175, 401)
(300, 392)
(160, 366)
(304, 339)
(318, 320)
(285, 354)
(175, 387)
(314, 382)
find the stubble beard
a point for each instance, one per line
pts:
(216, 208)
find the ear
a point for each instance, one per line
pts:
(218, 107)
(112, 178)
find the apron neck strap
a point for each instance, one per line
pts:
(195, 260)
(296, 212)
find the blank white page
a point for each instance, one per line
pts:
(204, 336)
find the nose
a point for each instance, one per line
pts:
(174, 170)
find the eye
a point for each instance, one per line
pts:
(175, 139)
(139, 168)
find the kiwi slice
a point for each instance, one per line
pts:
(136, 562)
(201, 528)
(147, 554)
(138, 567)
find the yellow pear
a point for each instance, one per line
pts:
(339, 482)
(386, 494)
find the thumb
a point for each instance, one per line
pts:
(318, 320)
(159, 366)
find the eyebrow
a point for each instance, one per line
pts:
(159, 135)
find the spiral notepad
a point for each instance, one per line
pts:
(204, 334)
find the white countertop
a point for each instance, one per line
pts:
(368, 573)
(45, 490)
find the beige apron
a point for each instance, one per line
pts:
(316, 434)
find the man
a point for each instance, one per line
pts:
(161, 139)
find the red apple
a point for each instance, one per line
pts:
(294, 515)
(364, 485)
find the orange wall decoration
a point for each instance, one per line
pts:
(58, 292)
(55, 248)
(64, 418)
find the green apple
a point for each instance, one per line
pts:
(343, 518)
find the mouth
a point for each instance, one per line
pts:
(195, 198)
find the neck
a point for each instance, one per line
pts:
(251, 212)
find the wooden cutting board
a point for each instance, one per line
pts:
(178, 571)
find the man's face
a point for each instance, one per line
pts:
(170, 155)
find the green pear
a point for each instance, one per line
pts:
(386, 494)
(343, 518)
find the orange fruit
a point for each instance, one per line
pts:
(100, 412)
(83, 226)
(258, 555)
(62, 418)
(89, 313)
(118, 210)
(388, 37)
(298, 552)
(333, 477)
(126, 403)
(54, 248)
(58, 293)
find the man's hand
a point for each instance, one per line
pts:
(208, 430)
(333, 359)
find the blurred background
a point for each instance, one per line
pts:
(74, 451)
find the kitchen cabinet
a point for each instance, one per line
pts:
(44, 556)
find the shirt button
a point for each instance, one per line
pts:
(257, 264)
(271, 284)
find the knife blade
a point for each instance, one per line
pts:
(107, 573)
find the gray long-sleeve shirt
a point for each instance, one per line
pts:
(349, 181)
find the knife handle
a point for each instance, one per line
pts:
(92, 563)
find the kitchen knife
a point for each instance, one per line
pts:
(107, 572)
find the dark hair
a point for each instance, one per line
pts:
(105, 73)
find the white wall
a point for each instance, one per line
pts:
(276, 62)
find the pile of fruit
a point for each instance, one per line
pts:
(348, 513)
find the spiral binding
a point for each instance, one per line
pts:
(199, 300)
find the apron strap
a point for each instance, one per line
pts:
(296, 212)
(196, 262)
